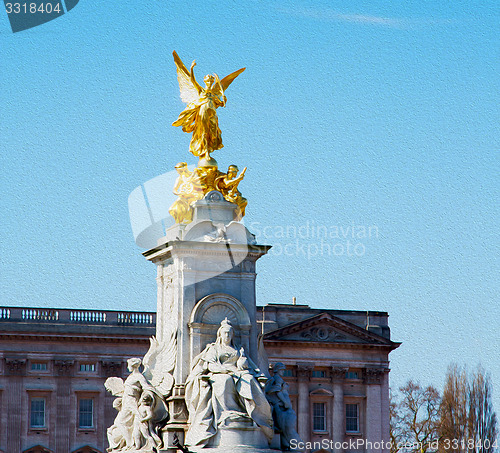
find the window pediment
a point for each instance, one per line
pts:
(86, 449)
(38, 449)
(320, 392)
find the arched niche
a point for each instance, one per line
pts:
(207, 315)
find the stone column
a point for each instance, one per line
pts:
(373, 379)
(65, 420)
(16, 368)
(304, 413)
(338, 420)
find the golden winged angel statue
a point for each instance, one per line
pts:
(200, 115)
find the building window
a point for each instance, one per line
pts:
(319, 416)
(319, 373)
(86, 413)
(352, 375)
(352, 418)
(288, 372)
(37, 413)
(38, 366)
(87, 367)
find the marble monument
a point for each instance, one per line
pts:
(204, 386)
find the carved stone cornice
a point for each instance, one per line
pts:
(110, 368)
(374, 375)
(64, 367)
(337, 373)
(15, 367)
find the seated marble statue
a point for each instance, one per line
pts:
(223, 387)
(283, 414)
(141, 412)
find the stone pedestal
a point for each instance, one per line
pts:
(206, 273)
(200, 284)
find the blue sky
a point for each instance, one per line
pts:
(377, 114)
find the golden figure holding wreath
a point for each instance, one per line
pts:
(200, 115)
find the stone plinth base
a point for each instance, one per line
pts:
(239, 433)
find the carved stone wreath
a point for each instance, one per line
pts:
(322, 334)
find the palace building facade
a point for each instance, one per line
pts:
(53, 364)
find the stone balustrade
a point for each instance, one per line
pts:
(68, 316)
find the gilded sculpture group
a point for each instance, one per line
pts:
(192, 186)
(200, 119)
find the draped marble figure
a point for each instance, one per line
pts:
(223, 387)
(141, 412)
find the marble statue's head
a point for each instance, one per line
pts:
(225, 333)
(133, 364)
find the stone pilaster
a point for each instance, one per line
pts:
(304, 414)
(65, 420)
(338, 429)
(16, 368)
(386, 436)
(110, 414)
(374, 379)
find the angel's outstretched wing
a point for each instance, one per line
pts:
(226, 81)
(159, 363)
(221, 85)
(114, 385)
(189, 92)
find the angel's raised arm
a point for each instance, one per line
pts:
(189, 87)
(193, 78)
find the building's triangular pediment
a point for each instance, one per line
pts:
(326, 328)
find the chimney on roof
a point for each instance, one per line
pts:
(294, 300)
